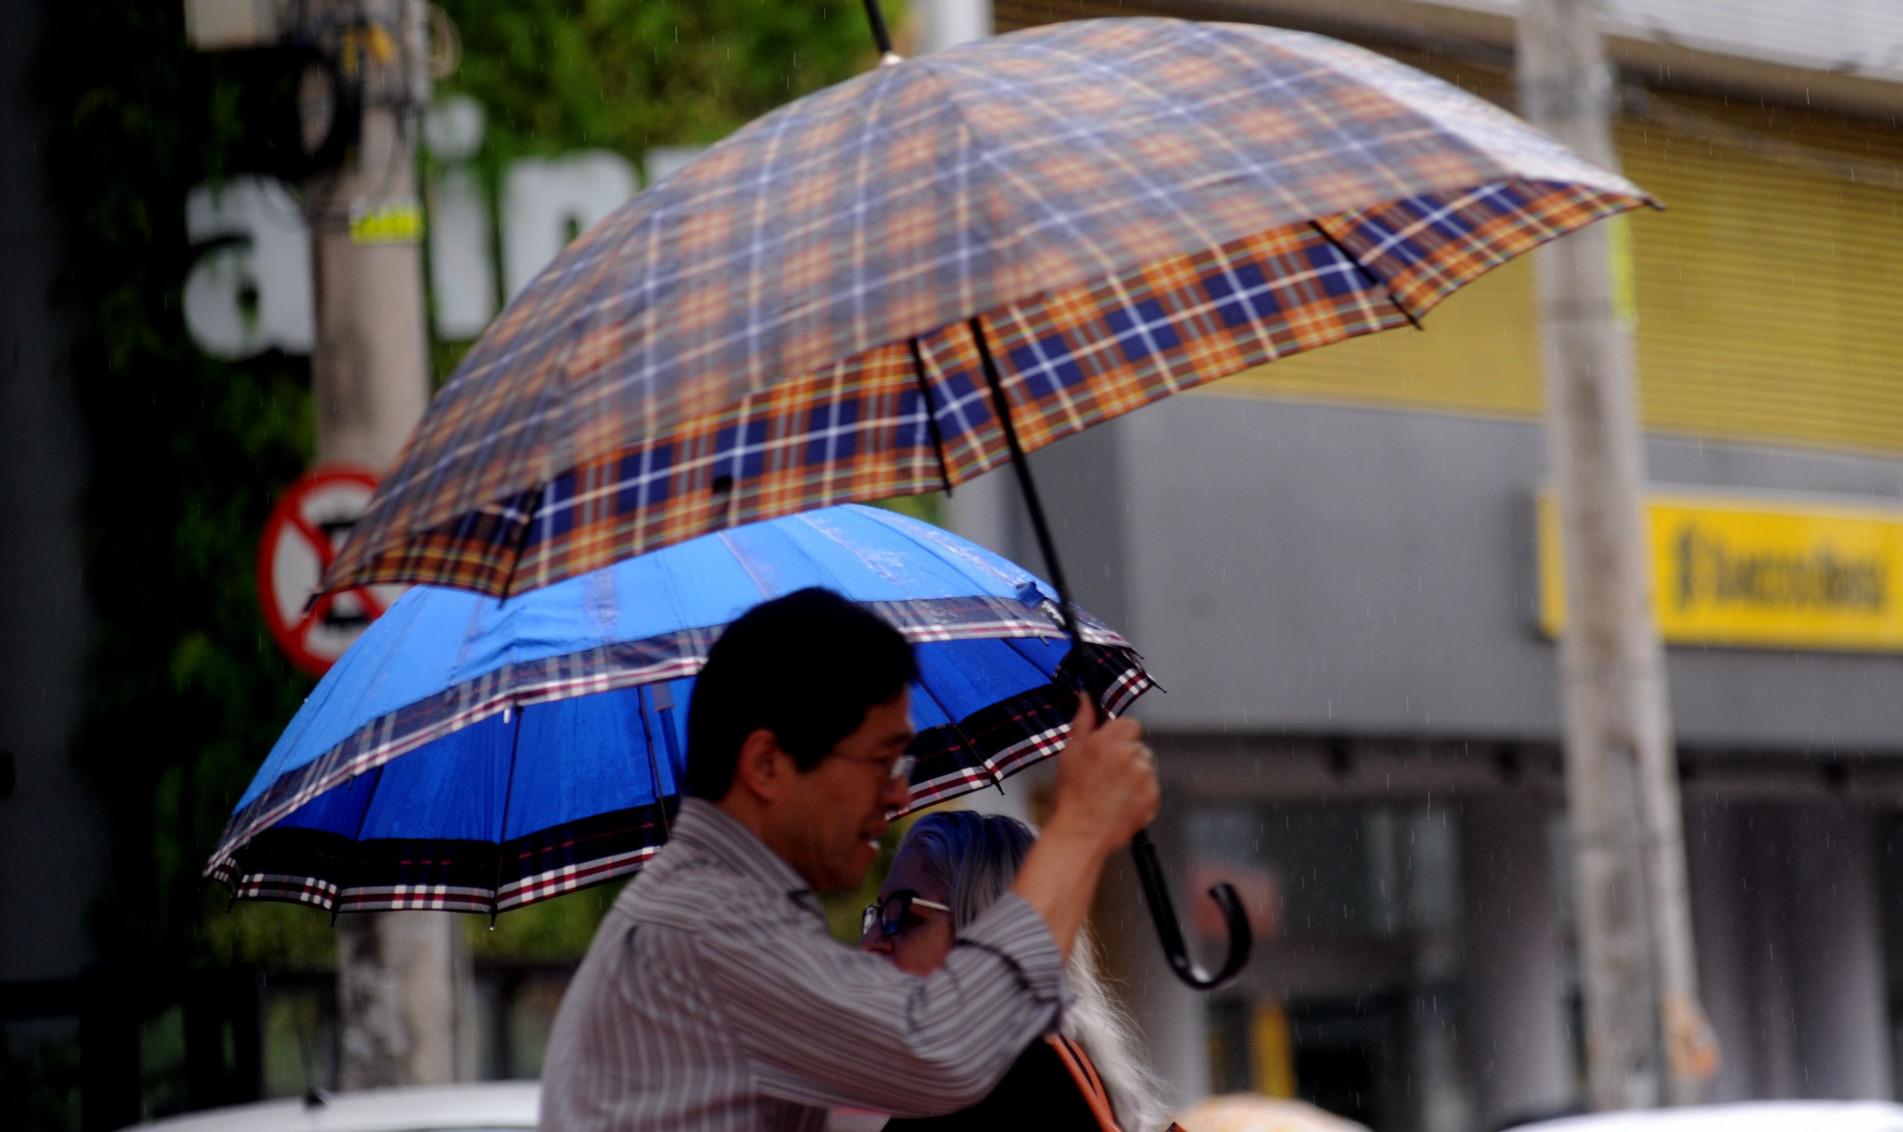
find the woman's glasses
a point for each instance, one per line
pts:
(887, 917)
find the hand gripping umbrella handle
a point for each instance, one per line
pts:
(1155, 891)
(1169, 931)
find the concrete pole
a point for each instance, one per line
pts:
(370, 361)
(1646, 1039)
(397, 972)
(948, 23)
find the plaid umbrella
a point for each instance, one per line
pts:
(908, 279)
(1090, 216)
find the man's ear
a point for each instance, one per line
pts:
(762, 767)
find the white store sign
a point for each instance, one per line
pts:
(250, 289)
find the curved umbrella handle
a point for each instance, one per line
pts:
(1170, 932)
(1149, 869)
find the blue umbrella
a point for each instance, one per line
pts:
(475, 754)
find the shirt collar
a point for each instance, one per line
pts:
(706, 827)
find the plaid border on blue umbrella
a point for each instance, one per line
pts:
(443, 875)
(989, 746)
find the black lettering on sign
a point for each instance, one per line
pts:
(1712, 572)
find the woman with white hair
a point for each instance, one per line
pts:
(1089, 1076)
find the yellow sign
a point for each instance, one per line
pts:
(390, 222)
(1764, 572)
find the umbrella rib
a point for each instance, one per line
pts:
(502, 834)
(522, 542)
(971, 744)
(654, 765)
(356, 836)
(1039, 525)
(931, 414)
(1368, 273)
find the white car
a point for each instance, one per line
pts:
(502, 1106)
(1750, 1116)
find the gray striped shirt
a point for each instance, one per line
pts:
(713, 999)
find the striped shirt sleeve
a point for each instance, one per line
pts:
(871, 1036)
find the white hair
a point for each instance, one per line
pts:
(975, 857)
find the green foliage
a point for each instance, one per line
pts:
(188, 452)
(557, 75)
(267, 935)
(550, 931)
(927, 508)
(186, 692)
(843, 908)
(554, 76)
(39, 1080)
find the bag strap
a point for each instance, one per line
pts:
(1084, 1072)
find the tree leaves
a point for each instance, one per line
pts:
(186, 694)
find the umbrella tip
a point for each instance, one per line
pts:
(891, 59)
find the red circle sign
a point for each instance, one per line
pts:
(303, 534)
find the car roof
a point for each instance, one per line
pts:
(501, 1105)
(1752, 1116)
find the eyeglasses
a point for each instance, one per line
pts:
(888, 915)
(900, 771)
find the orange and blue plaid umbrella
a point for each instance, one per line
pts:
(1113, 210)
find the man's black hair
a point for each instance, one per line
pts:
(805, 667)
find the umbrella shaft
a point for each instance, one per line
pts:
(931, 415)
(880, 36)
(1169, 930)
(1039, 525)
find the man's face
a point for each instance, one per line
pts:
(832, 816)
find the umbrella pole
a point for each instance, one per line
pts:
(1156, 893)
(1042, 528)
(931, 416)
(881, 37)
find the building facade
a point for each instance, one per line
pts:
(1334, 565)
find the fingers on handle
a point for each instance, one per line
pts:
(1084, 724)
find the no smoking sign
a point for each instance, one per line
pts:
(303, 534)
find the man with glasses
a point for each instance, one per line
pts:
(712, 996)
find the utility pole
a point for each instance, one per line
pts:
(1647, 1041)
(399, 974)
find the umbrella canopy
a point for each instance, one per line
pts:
(542, 738)
(1114, 210)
